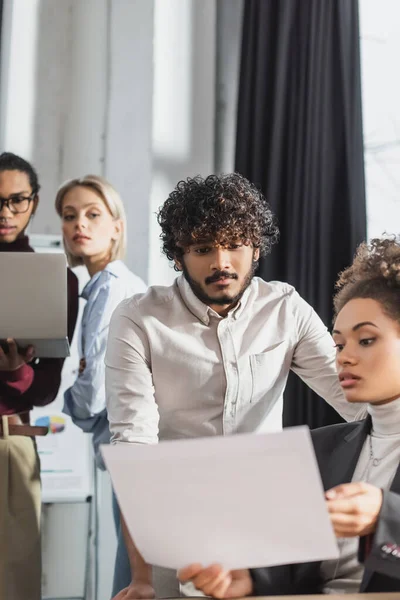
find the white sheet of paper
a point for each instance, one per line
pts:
(246, 500)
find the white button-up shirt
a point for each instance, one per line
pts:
(176, 369)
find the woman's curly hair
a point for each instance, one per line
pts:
(220, 208)
(375, 274)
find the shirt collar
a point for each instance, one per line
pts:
(116, 268)
(203, 311)
(385, 418)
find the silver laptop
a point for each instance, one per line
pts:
(34, 302)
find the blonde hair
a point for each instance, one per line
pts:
(111, 199)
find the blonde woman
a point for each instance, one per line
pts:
(94, 234)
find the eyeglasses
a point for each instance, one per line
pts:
(17, 204)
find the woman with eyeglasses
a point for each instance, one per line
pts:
(25, 382)
(359, 461)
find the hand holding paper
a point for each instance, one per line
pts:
(214, 581)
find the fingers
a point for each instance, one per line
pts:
(242, 584)
(213, 580)
(343, 523)
(345, 505)
(29, 353)
(344, 519)
(349, 525)
(16, 356)
(220, 586)
(187, 573)
(12, 350)
(369, 501)
(201, 576)
(346, 490)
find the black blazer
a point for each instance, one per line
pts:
(338, 448)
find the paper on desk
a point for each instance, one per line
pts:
(247, 500)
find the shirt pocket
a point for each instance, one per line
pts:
(267, 368)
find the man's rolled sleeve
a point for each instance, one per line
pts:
(131, 406)
(315, 360)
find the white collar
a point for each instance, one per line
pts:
(385, 418)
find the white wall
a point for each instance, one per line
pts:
(183, 106)
(128, 147)
(18, 74)
(380, 49)
(79, 100)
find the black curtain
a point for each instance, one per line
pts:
(299, 138)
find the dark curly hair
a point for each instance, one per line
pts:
(375, 274)
(219, 208)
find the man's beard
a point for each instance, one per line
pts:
(220, 300)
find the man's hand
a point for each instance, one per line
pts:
(141, 572)
(214, 581)
(136, 590)
(354, 508)
(14, 359)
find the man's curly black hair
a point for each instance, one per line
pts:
(219, 208)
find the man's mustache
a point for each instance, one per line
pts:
(220, 275)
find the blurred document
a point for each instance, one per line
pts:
(247, 500)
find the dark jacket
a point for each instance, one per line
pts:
(338, 448)
(35, 384)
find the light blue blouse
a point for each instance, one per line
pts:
(85, 401)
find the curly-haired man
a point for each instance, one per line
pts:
(210, 355)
